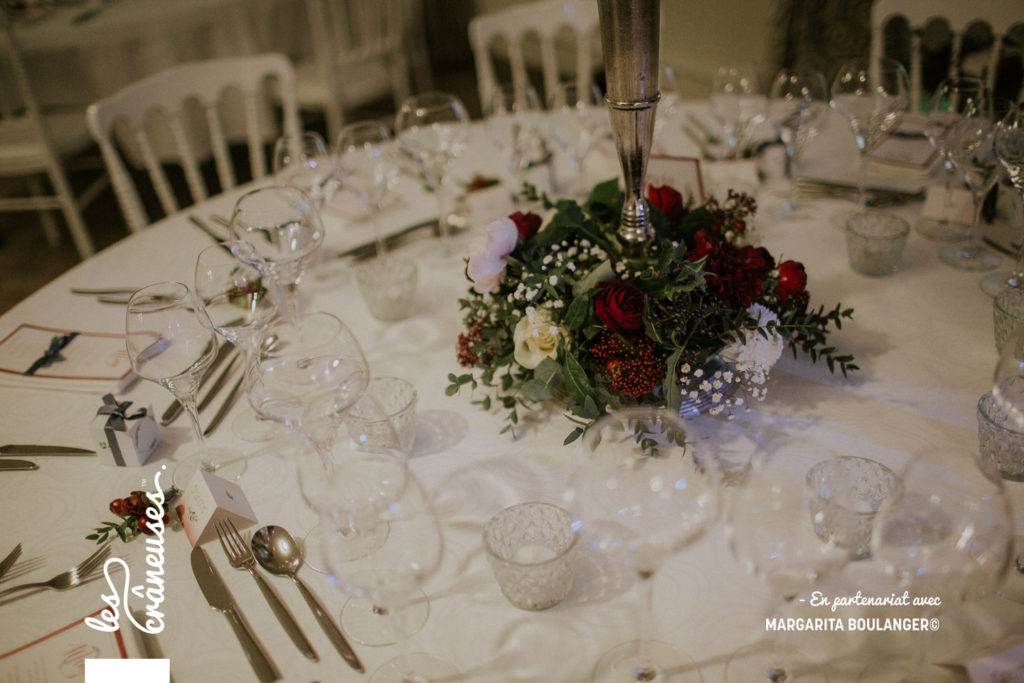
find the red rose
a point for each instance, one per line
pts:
(668, 201)
(620, 306)
(526, 223)
(792, 280)
(733, 274)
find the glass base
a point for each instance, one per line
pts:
(993, 283)
(363, 623)
(662, 664)
(418, 667)
(248, 426)
(228, 464)
(765, 663)
(968, 258)
(941, 231)
(351, 547)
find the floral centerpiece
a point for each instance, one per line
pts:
(557, 310)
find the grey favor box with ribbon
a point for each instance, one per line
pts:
(126, 438)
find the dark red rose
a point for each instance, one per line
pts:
(734, 275)
(792, 280)
(668, 201)
(620, 306)
(526, 223)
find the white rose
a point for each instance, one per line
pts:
(536, 338)
(487, 266)
(759, 353)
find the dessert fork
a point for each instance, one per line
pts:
(70, 578)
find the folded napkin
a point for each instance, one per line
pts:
(36, 357)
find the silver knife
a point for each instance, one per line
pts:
(222, 378)
(175, 409)
(369, 249)
(11, 558)
(15, 465)
(220, 599)
(224, 408)
(36, 449)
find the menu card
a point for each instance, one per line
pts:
(91, 361)
(61, 655)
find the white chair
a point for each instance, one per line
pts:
(548, 21)
(30, 147)
(999, 15)
(183, 116)
(359, 57)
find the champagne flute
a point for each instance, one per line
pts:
(512, 117)
(303, 162)
(234, 298)
(432, 130)
(638, 494)
(370, 490)
(872, 96)
(277, 229)
(169, 344)
(795, 106)
(738, 103)
(367, 167)
(1009, 145)
(578, 121)
(953, 99)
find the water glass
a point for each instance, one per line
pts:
(1001, 446)
(531, 548)
(385, 416)
(875, 241)
(388, 286)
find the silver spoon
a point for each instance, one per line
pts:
(277, 552)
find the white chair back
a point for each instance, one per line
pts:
(999, 15)
(190, 100)
(547, 20)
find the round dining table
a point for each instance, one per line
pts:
(922, 338)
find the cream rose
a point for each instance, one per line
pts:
(486, 267)
(536, 338)
(758, 354)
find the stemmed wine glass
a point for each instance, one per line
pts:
(771, 530)
(795, 106)
(639, 494)
(366, 492)
(972, 148)
(1009, 145)
(236, 301)
(368, 168)
(432, 130)
(512, 119)
(872, 96)
(169, 344)
(303, 162)
(277, 229)
(953, 99)
(738, 103)
(578, 120)
(948, 535)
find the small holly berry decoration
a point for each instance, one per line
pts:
(134, 520)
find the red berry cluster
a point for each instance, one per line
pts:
(135, 506)
(631, 367)
(133, 518)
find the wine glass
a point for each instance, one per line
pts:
(369, 491)
(169, 344)
(277, 229)
(368, 168)
(303, 162)
(637, 493)
(953, 99)
(577, 123)
(236, 301)
(771, 530)
(1009, 145)
(972, 148)
(432, 130)
(795, 106)
(872, 96)
(948, 535)
(512, 124)
(738, 103)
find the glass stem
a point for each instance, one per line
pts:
(188, 403)
(972, 241)
(862, 179)
(646, 669)
(1017, 277)
(398, 618)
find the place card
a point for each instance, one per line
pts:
(1001, 667)
(680, 173)
(208, 499)
(89, 361)
(61, 655)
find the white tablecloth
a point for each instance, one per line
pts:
(922, 337)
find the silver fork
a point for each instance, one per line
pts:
(240, 556)
(70, 578)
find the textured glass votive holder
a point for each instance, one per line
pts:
(846, 493)
(875, 241)
(1007, 314)
(1000, 441)
(532, 549)
(384, 417)
(388, 285)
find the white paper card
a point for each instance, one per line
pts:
(959, 208)
(1002, 667)
(61, 655)
(680, 173)
(94, 360)
(208, 499)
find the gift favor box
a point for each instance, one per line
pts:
(126, 436)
